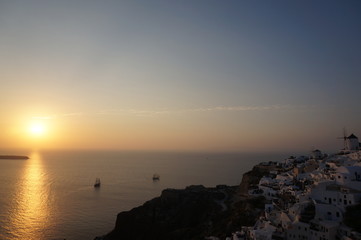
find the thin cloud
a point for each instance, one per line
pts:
(74, 114)
(134, 112)
(138, 112)
(240, 108)
(44, 117)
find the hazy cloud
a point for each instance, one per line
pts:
(74, 114)
(138, 112)
(43, 117)
(240, 108)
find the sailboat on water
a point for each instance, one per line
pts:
(156, 177)
(97, 183)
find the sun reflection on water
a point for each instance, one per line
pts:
(29, 217)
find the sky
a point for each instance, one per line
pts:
(199, 75)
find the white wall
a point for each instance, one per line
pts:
(328, 212)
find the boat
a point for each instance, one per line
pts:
(156, 177)
(97, 183)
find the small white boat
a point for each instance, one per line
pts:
(97, 182)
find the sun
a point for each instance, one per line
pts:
(37, 129)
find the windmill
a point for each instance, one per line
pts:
(344, 139)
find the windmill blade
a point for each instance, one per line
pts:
(344, 138)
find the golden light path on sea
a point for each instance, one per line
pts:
(28, 219)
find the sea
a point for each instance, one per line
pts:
(51, 195)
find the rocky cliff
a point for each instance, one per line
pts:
(251, 179)
(192, 213)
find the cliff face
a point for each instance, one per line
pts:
(193, 213)
(176, 214)
(253, 177)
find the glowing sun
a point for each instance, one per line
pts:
(37, 129)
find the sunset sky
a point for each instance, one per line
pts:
(179, 75)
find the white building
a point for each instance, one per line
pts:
(262, 230)
(298, 231)
(328, 212)
(347, 174)
(316, 154)
(331, 193)
(323, 230)
(315, 230)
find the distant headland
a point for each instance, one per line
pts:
(13, 157)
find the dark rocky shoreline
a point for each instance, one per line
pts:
(195, 212)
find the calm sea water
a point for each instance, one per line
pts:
(51, 195)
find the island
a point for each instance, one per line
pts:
(17, 157)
